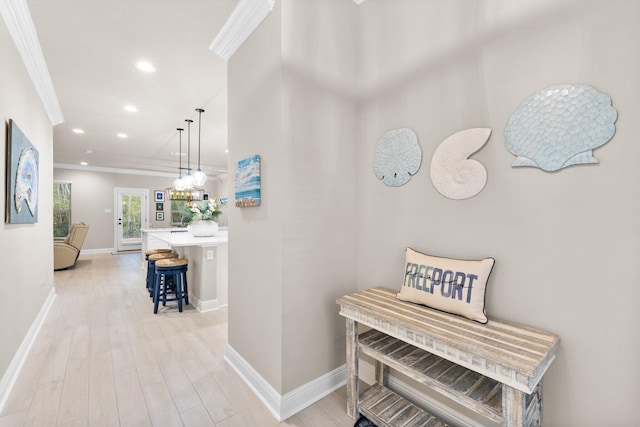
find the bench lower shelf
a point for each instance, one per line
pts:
(481, 394)
(388, 409)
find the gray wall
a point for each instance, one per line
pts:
(254, 78)
(92, 192)
(565, 243)
(290, 258)
(26, 250)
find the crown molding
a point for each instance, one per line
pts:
(20, 25)
(242, 22)
(123, 171)
(113, 170)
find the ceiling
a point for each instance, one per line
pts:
(91, 48)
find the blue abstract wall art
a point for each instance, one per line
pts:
(560, 126)
(248, 182)
(397, 157)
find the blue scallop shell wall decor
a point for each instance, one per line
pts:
(560, 126)
(398, 156)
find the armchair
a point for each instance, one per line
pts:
(67, 250)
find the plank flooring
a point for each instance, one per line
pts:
(103, 359)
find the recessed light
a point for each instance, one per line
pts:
(123, 135)
(130, 108)
(84, 163)
(76, 130)
(88, 151)
(226, 151)
(177, 153)
(145, 66)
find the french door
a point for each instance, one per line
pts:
(131, 207)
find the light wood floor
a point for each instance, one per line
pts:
(103, 359)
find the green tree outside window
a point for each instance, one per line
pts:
(61, 208)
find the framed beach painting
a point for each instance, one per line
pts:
(248, 182)
(21, 204)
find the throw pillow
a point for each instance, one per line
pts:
(452, 285)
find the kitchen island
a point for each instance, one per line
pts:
(207, 275)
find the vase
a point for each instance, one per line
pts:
(203, 228)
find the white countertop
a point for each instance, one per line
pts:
(184, 238)
(165, 229)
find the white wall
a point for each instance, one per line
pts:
(92, 192)
(26, 250)
(566, 243)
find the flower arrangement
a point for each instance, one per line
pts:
(206, 210)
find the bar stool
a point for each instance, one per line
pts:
(170, 278)
(153, 252)
(156, 251)
(151, 265)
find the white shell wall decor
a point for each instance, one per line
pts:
(560, 126)
(397, 157)
(453, 174)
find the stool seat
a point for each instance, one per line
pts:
(156, 251)
(164, 255)
(171, 262)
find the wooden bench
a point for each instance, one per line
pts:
(494, 369)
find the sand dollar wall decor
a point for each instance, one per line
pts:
(453, 174)
(397, 157)
(560, 126)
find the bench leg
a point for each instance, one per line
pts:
(513, 407)
(382, 373)
(534, 409)
(353, 410)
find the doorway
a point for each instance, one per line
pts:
(131, 207)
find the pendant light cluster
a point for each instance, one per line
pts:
(186, 188)
(199, 177)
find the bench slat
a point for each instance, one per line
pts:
(388, 409)
(519, 340)
(487, 335)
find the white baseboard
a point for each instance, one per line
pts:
(283, 407)
(204, 306)
(97, 251)
(309, 393)
(13, 370)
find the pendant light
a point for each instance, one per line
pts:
(188, 179)
(199, 177)
(178, 184)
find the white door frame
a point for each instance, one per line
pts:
(144, 207)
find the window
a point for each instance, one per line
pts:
(61, 208)
(131, 216)
(178, 217)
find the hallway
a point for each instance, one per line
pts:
(103, 359)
